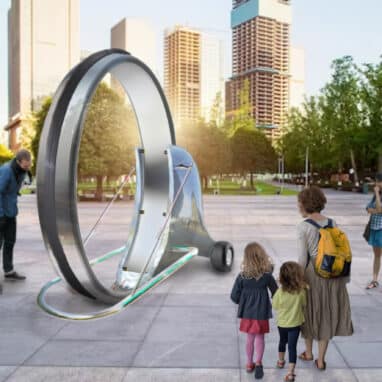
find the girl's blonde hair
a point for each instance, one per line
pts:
(292, 278)
(256, 262)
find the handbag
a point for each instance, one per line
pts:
(366, 233)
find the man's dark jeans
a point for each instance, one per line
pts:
(7, 240)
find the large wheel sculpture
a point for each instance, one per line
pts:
(167, 228)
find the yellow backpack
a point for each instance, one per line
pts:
(334, 254)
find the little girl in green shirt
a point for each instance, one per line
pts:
(289, 302)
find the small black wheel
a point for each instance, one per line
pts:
(221, 256)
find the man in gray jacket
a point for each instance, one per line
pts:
(12, 176)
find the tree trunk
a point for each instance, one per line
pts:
(311, 174)
(204, 182)
(354, 166)
(252, 185)
(380, 162)
(98, 194)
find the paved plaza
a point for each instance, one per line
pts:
(185, 329)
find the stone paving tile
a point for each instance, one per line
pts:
(182, 375)
(15, 348)
(188, 323)
(68, 374)
(362, 354)
(5, 372)
(37, 325)
(12, 302)
(85, 353)
(188, 353)
(130, 325)
(368, 375)
(197, 300)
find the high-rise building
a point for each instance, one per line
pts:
(212, 77)
(43, 45)
(193, 74)
(136, 36)
(260, 44)
(297, 77)
(182, 52)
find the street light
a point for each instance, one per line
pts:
(281, 171)
(306, 167)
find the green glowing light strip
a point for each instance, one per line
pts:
(93, 262)
(192, 252)
(160, 277)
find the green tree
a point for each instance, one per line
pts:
(209, 147)
(217, 111)
(305, 130)
(252, 152)
(5, 154)
(341, 111)
(372, 106)
(108, 137)
(242, 117)
(37, 121)
(292, 144)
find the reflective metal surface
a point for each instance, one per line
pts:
(168, 203)
(187, 255)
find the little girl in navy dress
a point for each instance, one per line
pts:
(250, 291)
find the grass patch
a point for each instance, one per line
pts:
(25, 191)
(261, 188)
(226, 188)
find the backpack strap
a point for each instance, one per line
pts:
(313, 223)
(307, 260)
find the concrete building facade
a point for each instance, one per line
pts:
(260, 55)
(182, 74)
(43, 45)
(193, 74)
(136, 36)
(212, 77)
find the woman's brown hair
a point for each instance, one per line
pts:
(255, 262)
(292, 277)
(312, 199)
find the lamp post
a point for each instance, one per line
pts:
(282, 172)
(306, 167)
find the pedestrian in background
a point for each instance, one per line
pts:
(12, 176)
(375, 230)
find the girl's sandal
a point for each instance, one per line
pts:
(373, 284)
(289, 377)
(250, 367)
(280, 364)
(304, 357)
(318, 367)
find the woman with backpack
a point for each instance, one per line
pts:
(327, 312)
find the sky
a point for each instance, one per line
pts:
(326, 29)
